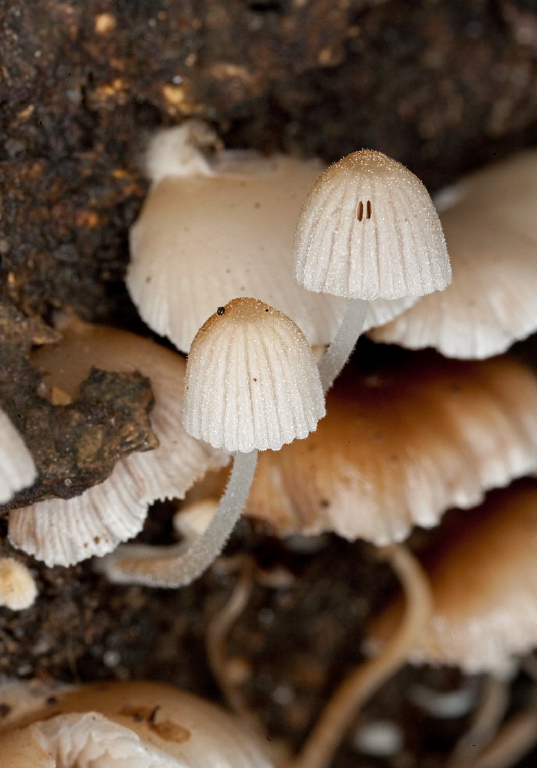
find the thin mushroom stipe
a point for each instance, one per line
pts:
(252, 384)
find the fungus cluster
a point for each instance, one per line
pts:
(401, 442)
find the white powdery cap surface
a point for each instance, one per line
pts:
(369, 229)
(252, 381)
(17, 468)
(66, 531)
(491, 233)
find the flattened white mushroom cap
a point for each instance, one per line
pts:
(369, 229)
(17, 468)
(252, 381)
(65, 531)
(204, 240)
(491, 234)
(401, 444)
(121, 724)
(484, 580)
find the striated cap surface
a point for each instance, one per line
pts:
(251, 380)
(369, 229)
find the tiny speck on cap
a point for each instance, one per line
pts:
(220, 310)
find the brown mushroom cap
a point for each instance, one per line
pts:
(64, 531)
(483, 571)
(181, 725)
(491, 235)
(399, 445)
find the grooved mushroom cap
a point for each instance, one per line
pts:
(66, 531)
(252, 381)
(483, 571)
(17, 468)
(369, 229)
(401, 443)
(491, 233)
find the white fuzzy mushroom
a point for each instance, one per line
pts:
(367, 230)
(252, 384)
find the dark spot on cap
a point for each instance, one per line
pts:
(5, 709)
(266, 310)
(220, 310)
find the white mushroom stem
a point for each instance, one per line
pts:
(179, 565)
(340, 711)
(340, 349)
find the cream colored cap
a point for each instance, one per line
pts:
(129, 722)
(399, 445)
(252, 381)
(491, 233)
(369, 229)
(483, 571)
(18, 589)
(17, 468)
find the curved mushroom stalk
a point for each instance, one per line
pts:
(252, 383)
(179, 565)
(367, 678)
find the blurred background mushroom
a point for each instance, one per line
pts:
(139, 724)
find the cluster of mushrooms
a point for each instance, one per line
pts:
(364, 453)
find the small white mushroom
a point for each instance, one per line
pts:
(252, 384)
(367, 229)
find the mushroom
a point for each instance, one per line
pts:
(492, 552)
(18, 589)
(139, 724)
(489, 225)
(252, 384)
(214, 228)
(17, 468)
(65, 531)
(406, 436)
(367, 229)
(482, 569)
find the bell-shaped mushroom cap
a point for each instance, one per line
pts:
(65, 531)
(491, 235)
(252, 381)
(483, 570)
(399, 445)
(369, 229)
(17, 468)
(175, 728)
